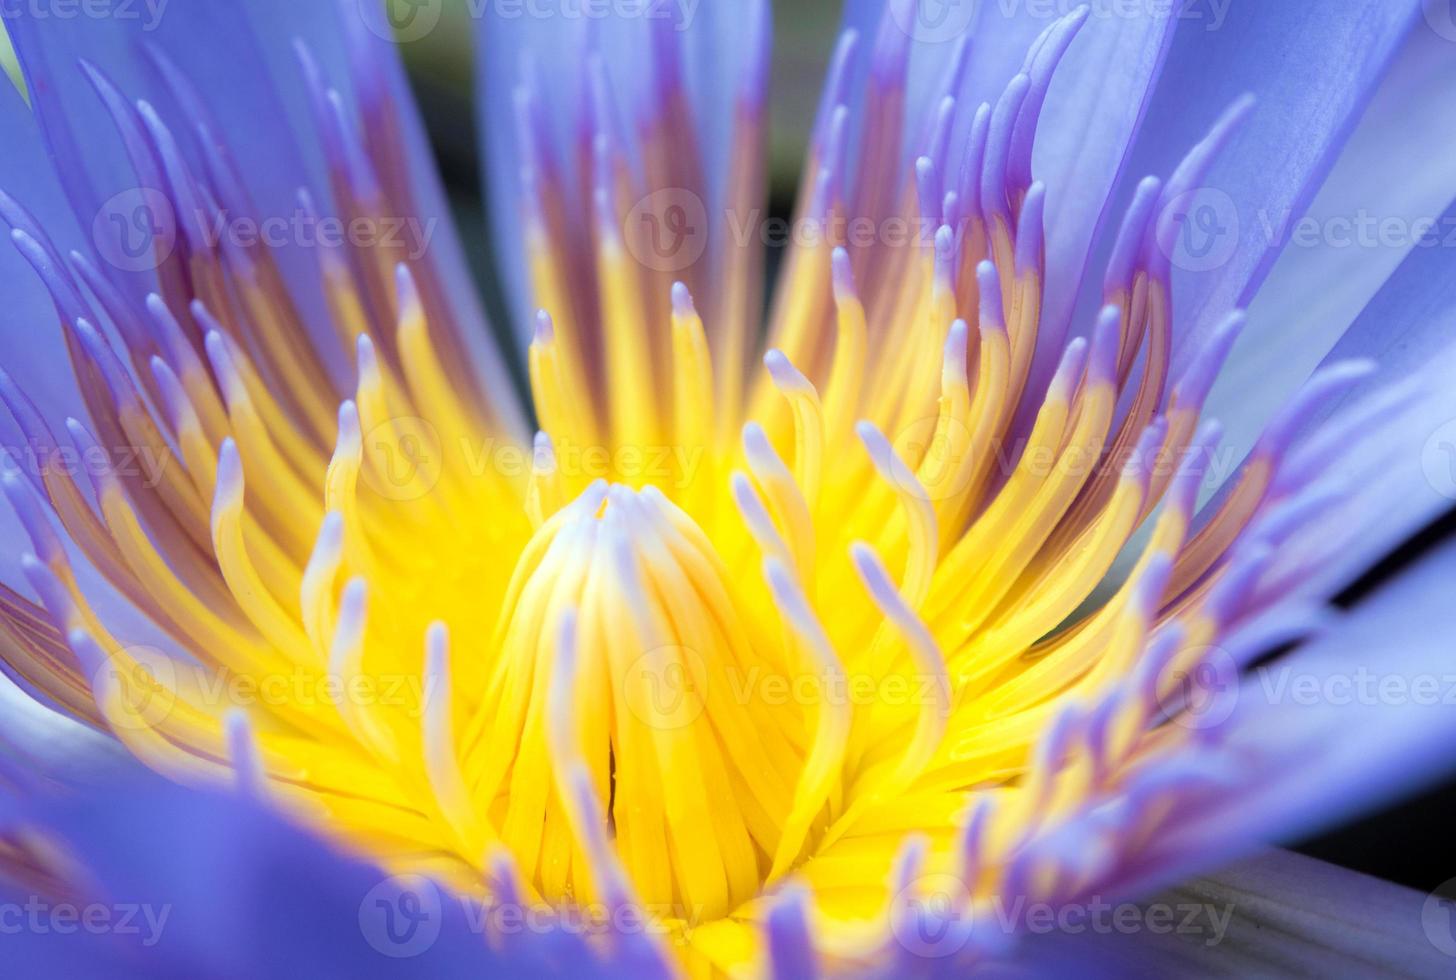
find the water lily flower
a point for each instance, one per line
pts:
(979, 585)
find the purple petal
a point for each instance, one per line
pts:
(1344, 724)
(1386, 188)
(1312, 69)
(39, 745)
(1093, 112)
(239, 89)
(257, 102)
(30, 334)
(235, 891)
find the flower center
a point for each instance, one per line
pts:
(671, 682)
(692, 769)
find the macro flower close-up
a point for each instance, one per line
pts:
(908, 488)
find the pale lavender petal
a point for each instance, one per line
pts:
(1386, 198)
(1312, 69)
(39, 746)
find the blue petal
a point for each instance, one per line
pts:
(30, 333)
(256, 96)
(1397, 471)
(1349, 722)
(227, 887)
(1387, 173)
(1312, 69)
(46, 952)
(245, 894)
(239, 87)
(1094, 107)
(1093, 112)
(37, 744)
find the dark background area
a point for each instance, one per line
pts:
(1410, 843)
